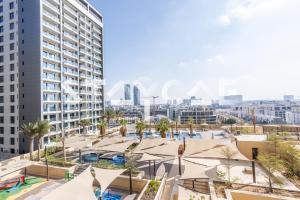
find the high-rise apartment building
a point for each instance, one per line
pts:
(136, 96)
(9, 97)
(127, 92)
(51, 67)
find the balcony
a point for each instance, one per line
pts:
(70, 46)
(51, 17)
(70, 28)
(51, 89)
(51, 67)
(70, 37)
(70, 19)
(51, 27)
(51, 7)
(51, 47)
(70, 11)
(51, 37)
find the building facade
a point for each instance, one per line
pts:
(127, 92)
(53, 60)
(9, 73)
(136, 96)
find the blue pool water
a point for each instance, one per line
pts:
(109, 196)
(93, 157)
(177, 136)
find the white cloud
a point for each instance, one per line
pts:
(219, 59)
(225, 20)
(247, 9)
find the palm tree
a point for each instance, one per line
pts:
(118, 115)
(191, 124)
(109, 114)
(30, 131)
(140, 127)
(123, 129)
(84, 124)
(230, 122)
(162, 127)
(42, 128)
(102, 127)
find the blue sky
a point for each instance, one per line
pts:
(206, 48)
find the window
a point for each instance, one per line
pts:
(11, 5)
(1, 130)
(1, 29)
(12, 109)
(1, 9)
(11, 46)
(12, 151)
(11, 15)
(1, 79)
(12, 77)
(1, 19)
(12, 141)
(12, 119)
(1, 120)
(1, 140)
(1, 89)
(1, 49)
(1, 99)
(12, 98)
(1, 109)
(12, 130)
(12, 88)
(12, 56)
(12, 67)
(1, 68)
(11, 26)
(1, 58)
(1, 38)
(11, 36)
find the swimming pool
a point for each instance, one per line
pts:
(177, 136)
(110, 196)
(94, 157)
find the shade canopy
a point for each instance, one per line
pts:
(197, 146)
(217, 152)
(204, 161)
(106, 176)
(77, 189)
(148, 157)
(184, 193)
(109, 140)
(117, 147)
(167, 149)
(196, 171)
(149, 143)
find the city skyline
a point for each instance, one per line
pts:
(209, 43)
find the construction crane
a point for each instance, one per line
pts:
(153, 102)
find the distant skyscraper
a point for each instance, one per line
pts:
(136, 96)
(127, 92)
(288, 97)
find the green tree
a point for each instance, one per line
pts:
(230, 122)
(118, 115)
(271, 163)
(229, 155)
(109, 114)
(123, 128)
(290, 156)
(140, 127)
(42, 128)
(191, 125)
(163, 126)
(84, 123)
(275, 141)
(30, 131)
(102, 124)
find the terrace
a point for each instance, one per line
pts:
(116, 167)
